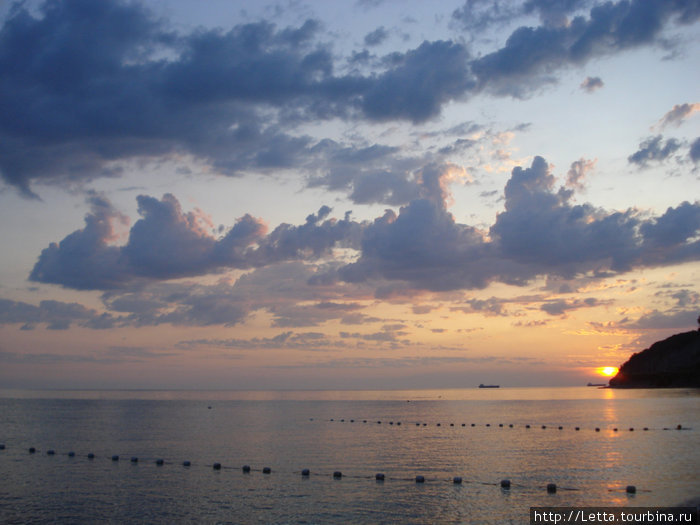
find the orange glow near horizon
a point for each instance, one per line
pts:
(607, 371)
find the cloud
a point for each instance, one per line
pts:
(532, 54)
(167, 243)
(55, 315)
(376, 37)
(591, 84)
(87, 86)
(678, 114)
(695, 150)
(652, 149)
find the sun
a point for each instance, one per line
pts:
(607, 371)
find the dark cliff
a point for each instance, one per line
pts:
(671, 363)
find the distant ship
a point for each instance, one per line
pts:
(597, 384)
(482, 385)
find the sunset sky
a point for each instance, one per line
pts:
(360, 194)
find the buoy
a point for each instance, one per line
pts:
(488, 424)
(332, 419)
(246, 469)
(544, 426)
(267, 470)
(91, 456)
(511, 425)
(577, 429)
(679, 427)
(364, 421)
(379, 422)
(551, 488)
(631, 489)
(115, 458)
(473, 424)
(352, 421)
(71, 454)
(464, 424)
(2, 446)
(391, 422)
(398, 423)
(32, 450)
(50, 452)
(646, 428)
(527, 426)
(631, 429)
(560, 428)
(216, 466)
(337, 474)
(505, 483)
(417, 424)
(500, 424)
(457, 480)
(134, 459)
(186, 463)
(438, 424)
(452, 424)
(159, 462)
(379, 476)
(615, 429)
(597, 429)
(420, 479)
(342, 421)
(305, 472)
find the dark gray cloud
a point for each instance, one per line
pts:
(653, 149)
(168, 243)
(591, 84)
(539, 233)
(86, 85)
(55, 315)
(376, 37)
(532, 54)
(695, 150)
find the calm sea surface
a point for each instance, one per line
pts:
(436, 434)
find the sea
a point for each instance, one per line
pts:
(484, 455)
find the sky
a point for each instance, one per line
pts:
(368, 194)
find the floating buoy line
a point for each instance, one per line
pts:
(503, 425)
(380, 477)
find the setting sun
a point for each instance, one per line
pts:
(607, 370)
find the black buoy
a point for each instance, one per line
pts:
(551, 488)
(91, 456)
(488, 424)
(457, 480)
(306, 472)
(379, 476)
(615, 429)
(2, 446)
(679, 427)
(597, 429)
(342, 421)
(464, 424)
(186, 463)
(246, 469)
(439, 424)
(631, 489)
(267, 470)
(544, 426)
(398, 423)
(216, 466)
(32, 450)
(420, 479)
(527, 426)
(577, 429)
(71, 454)
(500, 424)
(417, 424)
(379, 422)
(452, 424)
(631, 429)
(473, 424)
(560, 428)
(134, 459)
(50, 452)
(337, 474)
(505, 483)
(511, 425)
(159, 462)
(646, 428)
(115, 458)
